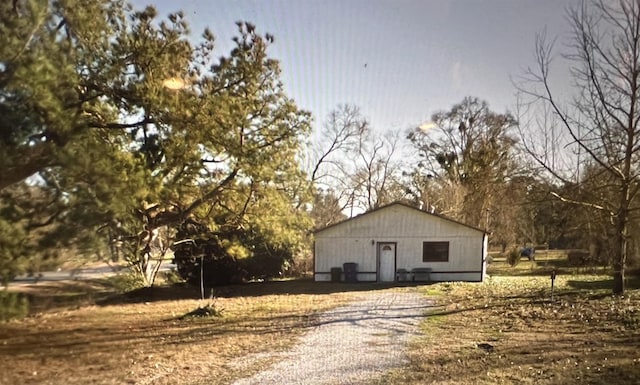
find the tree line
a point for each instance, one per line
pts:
(123, 137)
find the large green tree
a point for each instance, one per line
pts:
(258, 234)
(135, 126)
(53, 58)
(60, 76)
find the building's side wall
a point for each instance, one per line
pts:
(334, 252)
(485, 250)
(356, 241)
(465, 254)
(449, 277)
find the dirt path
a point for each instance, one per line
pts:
(351, 344)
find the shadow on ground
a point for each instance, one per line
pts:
(51, 296)
(544, 268)
(604, 284)
(254, 289)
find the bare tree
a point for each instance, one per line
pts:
(354, 163)
(326, 209)
(342, 133)
(600, 121)
(376, 179)
(466, 157)
(333, 156)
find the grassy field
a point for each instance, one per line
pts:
(140, 338)
(545, 262)
(510, 330)
(506, 330)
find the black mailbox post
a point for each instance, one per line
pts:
(553, 281)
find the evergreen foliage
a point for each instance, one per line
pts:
(13, 305)
(130, 129)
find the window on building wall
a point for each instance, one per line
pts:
(435, 251)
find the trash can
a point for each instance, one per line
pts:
(402, 275)
(350, 272)
(336, 274)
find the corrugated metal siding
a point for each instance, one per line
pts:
(335, 252)
(398, 222)
(356, 241)
(447, 277)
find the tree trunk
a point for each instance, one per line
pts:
(618, 274)
(25, 162)
(622, 245)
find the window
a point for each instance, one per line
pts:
(435, 252)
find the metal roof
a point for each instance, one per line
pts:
(404, 205)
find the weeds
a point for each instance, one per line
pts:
(13, 305)
(126, 281)
(171, 277)
(508, 330)
(139, 338)
(513, 258)
(210, 309)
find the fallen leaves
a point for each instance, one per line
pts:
(510, 330)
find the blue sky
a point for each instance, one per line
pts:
(399, 61)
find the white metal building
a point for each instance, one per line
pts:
(390, 242)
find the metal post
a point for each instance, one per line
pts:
(553, 279)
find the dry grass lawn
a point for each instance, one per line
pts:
(509, 331)
(140, 339)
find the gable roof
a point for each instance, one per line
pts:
(403, 205)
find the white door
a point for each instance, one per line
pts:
(387, 262)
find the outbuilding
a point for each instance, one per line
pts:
(398, 242)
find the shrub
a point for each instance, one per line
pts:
(216, 270)
(13, 305)
(126, 281)
(578, 258)
(633, 271)
(171, 277)
(202, 252)
(216, 256)
(208, 310)
(513, 258)
(302, 267)
(267, 262)
(211, 309)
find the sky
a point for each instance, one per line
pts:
(399, 61)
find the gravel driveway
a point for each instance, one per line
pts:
(351, 344)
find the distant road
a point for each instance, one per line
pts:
(76, 274)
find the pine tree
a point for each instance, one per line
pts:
(131, 126)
